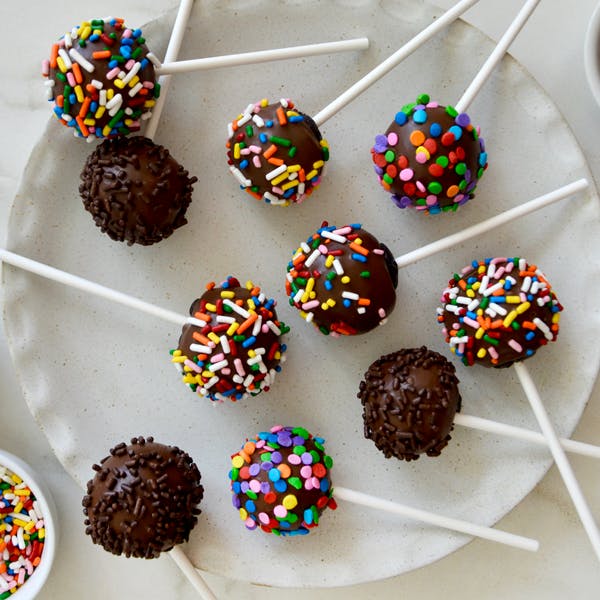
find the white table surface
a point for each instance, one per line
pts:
(551, 48)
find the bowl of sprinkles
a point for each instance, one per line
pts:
(27, 529)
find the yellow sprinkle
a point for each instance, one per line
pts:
(513, 299)
(149, 103)
(249, 285)
(20, 523)
(118, 83)
(329, 261)
(41, 533)
(277, 355)
(510, 317)
(237, 461)
(134, 81)
(555, 318)
(345, 279)
(211, 307)
(310, 284)
(29, 526)
(331, 302)
(290, 501)
(213, 337)
(279, 178)
(208, 374)
(232, 328)
(251, 353)
(324, 306)
(177, 353)
(79, 93)
(16, 479)
(294, 168)
(312, 174)
(481, 352)
(480, 333)
(470, 293)
(264, 102)
(423, 150)
(324, 143)
(227, 294)
(481, 269)
(61, 64)
(85, 31)
(243, 514)
(18, 507)
(89, 122)
(476, 285)
(318, 164)
(290, 184)
(101, 110)
(236, 151)
(522, 308)
(110, 93)
(250, 305)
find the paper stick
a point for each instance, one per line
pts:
(389, 63)
(488, 533)
(183, 15)
(188, 569)
(489, 224)
(559, 455)
(496, 56)
(520, 433)
(260, 56)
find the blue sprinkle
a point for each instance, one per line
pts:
(308, 516)
(472, 280)
(269, 123)
(137, 33)
(400, 118)
(72, 98)
(359, 257)
(356, 225)
(274, 474)
(244, 164)
(457, 131)
(144, 63)
(235, 486)
(434, 210)
(482, 159)
(471, 314)
(324, 485)
(530, 352)
(58, 111)
(347, 303)
(263, 138)
(112, 64)
(250, 506)
(296, 119)
(420, 116)
(280, 486)
(435, 130)
(249, 342)
(497, 299)
(507, 285)
(126, 42)
(328, 285)
(94, 37)
(530, 336)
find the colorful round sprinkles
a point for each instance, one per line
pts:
(22, 532)
(101, 78)
(343, 280)
(280, 481)
(276, 153)
(431, 157)
(498, 311)
(231, 346)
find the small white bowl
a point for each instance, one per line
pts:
(591, 53)
(34, 584)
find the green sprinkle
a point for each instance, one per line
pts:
(387, 178)
(118, 58)
(239, 338)
(490, 340)
(325, 153)
(252, 495)
(116, 118)
(390, 156)
(136, 53)
(435, 187)
(299, 450)
(450, 110)
(442, 161)
(280, 141)
(249, 130)
(292, 151)
(423, 99)
(328, 461)
(365, 274)
(461, 168)
(295, 482)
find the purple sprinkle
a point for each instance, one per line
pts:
(381, 143)
(284, 440)
(401, 201)
(307, 458)
(419, 107)
(298, 440)
(276, 457)
(254, 469)
(463, 119)
(244, 487)
(266, 466)
(236, 502)
(265, 488)
(378, 170)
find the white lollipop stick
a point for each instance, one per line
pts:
(559, 456)
(183, 15)
(488, 533)
(489, 224)
(496, 56)
(389, 63)
(260, 56)
(526, 435)
(183, 562)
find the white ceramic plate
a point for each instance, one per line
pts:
(95, 374)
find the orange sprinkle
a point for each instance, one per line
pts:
(281, 116)
(77, 72)
(275, 161)
(496, 324)
(358, 248)
(284, 470)
(3, 567)
(462, 284)
(201, 338)
(270, 151)
(417, 138)
(85, 107)
(249, 447)
(299, 259)
(255, 291)
(201, 317)
(101, 54)
(247, 323)
(452, 191)
(364, 302)
(60, 101)
(528, 325)
(256, 195)
(82, 127)
(210, 285)
(53, 56)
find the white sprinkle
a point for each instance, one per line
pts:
(225, 344)
(135, 89)
(211, 382)
(350, 295)
(154, 60)
(238, 309)
(63, 54)
(311, 259)
(337, 266)
(275, 172)
(201, 348)
(258, 121)
(273, 328)
(332, 236)
(240, 176)
(218, 366)
(225, 319)
(81, 60)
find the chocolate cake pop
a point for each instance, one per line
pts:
(276, 152)
(101, 79)
(409, 400)
(143, 499)
(135, 190)
(231, 347)
(498, 311)
(430, 157)
(280, 481)
(343, 280)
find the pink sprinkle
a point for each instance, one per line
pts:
(255, 485)
(113, 73)
(433, 104)
(493, 352)
(280, 511)
(310, 305)
(277, 190)
(294, 459)
(255, 149)
(306, 471)
(217, 358)
(459, 197)
(250, 523)
(421, 157)
(71, 79)
(239, 367)
(378, 251)
(127, 33)
(149, 85)
(406, 174)
(45, 67)
(316, 483)
(343, 231)
(515, 345)
(308, 484)
(260, 443)
(420, 186)
(245, 151)
(510, 266)
(130, 64)
(276, 428)
(192, 365)
(226, 371)
(263, 518)
(323, 249)
(498, 259)
(392, 138)
(431, 200)
(381, 313)
(256, 162)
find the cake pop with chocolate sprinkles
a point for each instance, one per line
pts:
(343, 280)
(101, 79)
(276, 153)
(430, 158)
(280, 481)
(409, 400)
(498, 311)
(143, 499)
(135, 190)
(231, 346)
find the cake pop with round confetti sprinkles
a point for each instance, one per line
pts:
(343, 280)
(231, 346)
(498, 311)
(280, 481)
(430, 158)
(276, 153)
(101, 79)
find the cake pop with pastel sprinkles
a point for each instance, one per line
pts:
(231, 346)
(430, 158)
(281, 482)
(498, 311)
(143, 499)
(135, 190)
(101, 79)
(343, 280)
(276, 153)
(409, 400)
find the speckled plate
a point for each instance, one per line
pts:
(95, 374)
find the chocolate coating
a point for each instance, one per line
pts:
(135, 190)
(430, 157)
(143, 499)
(89, 95)
(498, 311)
(281, 481)
(343, 280)
(409, 401)
(231, 347)
(276, 152)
